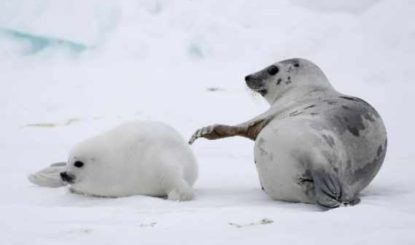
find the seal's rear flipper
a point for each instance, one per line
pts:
(327, 188)
(50, 176)
(352, 202)
(180, 191)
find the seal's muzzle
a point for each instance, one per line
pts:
(67, 177)
(256, 84)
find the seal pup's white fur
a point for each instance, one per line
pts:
(135, 158)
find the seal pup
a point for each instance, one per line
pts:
(314, 144)
(135, 158)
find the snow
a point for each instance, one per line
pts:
(183, 62)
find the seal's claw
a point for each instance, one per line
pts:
(192, 139)
(202, 133)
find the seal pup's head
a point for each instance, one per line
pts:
(92, 169)
(292, 75)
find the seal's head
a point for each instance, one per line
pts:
(287, 76)
(90, 169)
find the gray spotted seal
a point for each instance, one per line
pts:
(134, 158)
(314, 144)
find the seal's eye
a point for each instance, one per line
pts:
(272, 70)
(78, 164)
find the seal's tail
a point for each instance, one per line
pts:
(50, 176)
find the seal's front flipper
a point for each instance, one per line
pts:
(213, 132)
(219, 131)
(253, 129)
(327, 189)
(50, 176)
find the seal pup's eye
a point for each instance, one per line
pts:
(272, 70)
(78, 164)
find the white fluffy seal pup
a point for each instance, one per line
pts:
(135, 158)
(314, 144)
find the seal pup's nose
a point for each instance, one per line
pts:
(66, 177)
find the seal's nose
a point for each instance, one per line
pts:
(253, 82)
(248, 78)
(66, 177)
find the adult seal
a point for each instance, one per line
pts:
(314, 144)
(135, 158)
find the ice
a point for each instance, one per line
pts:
(183, 62)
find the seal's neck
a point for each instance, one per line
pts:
(295, 94)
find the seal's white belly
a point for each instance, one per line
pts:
(281, 174)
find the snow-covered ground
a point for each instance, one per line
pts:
(72, 69)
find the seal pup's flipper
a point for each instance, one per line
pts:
(50, 176)
(181, 191)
